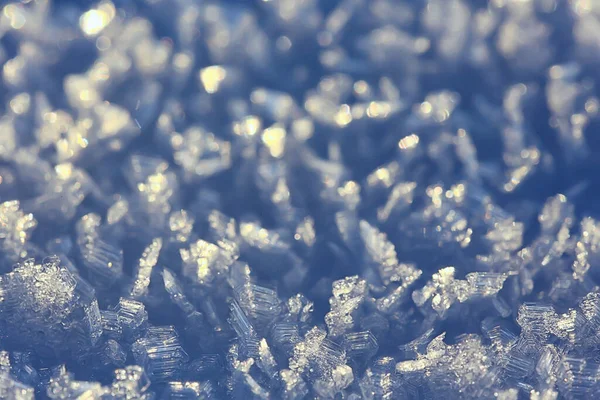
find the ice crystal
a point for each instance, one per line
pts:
(16, 229)
(444, 290)
(160, 352)
(146, 264)
(299, 199)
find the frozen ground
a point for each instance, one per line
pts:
(290, 199)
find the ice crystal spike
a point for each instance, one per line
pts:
(300, 308)
(16, 229)
(590, 307)
(102, 257)
(247, 335)
(160, 353)
(244, 385)
(176, 293)
(399, 200)
(379, 250)
(146, 263)
(341, 378)
(274, 186)
(348, 296)
(266, 362)
(418, 345)
(586, 248)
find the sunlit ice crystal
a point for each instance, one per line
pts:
(16, 229)
(317, 356)
(66, 189)
(111, 328)
(556, 211)
(156, 189)
(348, 296)
(62, 385)
(399, 200)
(181, 224)
(379, 250)
(342, 377)
(10, 387)
(146, 263)
(444, 290)
(200, 153)
(205, 262)
(378, 380)
(294, 387)
(188, 390)
(269, 251)
(506, 235)
(467, 362)
(131, 382)
(573, 105)
(44, 306)
(107, 128)
(586, 248)
(441, 222)
(58, 285)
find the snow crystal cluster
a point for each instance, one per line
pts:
(299, 199)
